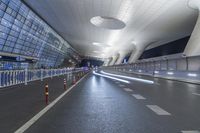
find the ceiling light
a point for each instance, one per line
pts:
(100, 44)
(107, 22)
(133, 42)
(97, 51)
(96, 44)
(170, 73)
(156, 72)
(192, 74)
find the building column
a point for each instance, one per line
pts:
(106, 61)
(109, 61)
(122, 55)
(193, 46)
(114, 58)
(137, 52)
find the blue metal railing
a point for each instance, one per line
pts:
(14, 77)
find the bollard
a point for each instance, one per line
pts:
(46, 94)
(74, 79)
(65, 84)
(77, 76)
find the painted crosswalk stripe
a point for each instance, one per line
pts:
(192, 131)
(158, 110)
(139, 97)
(197, 94)
(127, 89)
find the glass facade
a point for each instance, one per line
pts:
(22, 32)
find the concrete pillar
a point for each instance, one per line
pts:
(137, 52)
(122, 55)
(106, 62)
(110, 61)
(114, 58)
(193, 46)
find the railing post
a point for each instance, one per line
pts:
(41, 74)
(187, 65)
(0, 79)
(26, 76)
(51, 73)
(7, 83)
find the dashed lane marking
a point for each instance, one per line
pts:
(128, 90)
(156, 109)
(122, 85)
(139, 97)
(197, 94)
(192, 131)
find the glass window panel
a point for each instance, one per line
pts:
(3, 35)
(7, 49)
(18, 46)
(14, 13)
(14, 5)
(5, 1)
(8, 10)
(11, 38)
(1, 13)
(16, 50)
(3, 6)
(1, 46)
(2, 41)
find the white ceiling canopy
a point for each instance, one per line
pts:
(109, 26)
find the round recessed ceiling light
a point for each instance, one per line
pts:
(107, 22)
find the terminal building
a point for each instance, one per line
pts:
(99, 66)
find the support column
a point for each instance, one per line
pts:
(110, 61)
(122, 55)
(137, 52)
(114, 58)
(193, 46)
(106, 62)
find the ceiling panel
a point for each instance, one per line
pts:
(149, 20)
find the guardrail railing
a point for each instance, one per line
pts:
(181, 68)
(14, 77)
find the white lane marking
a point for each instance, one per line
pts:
(102, 75)
(128, 90)
(122, 85)
(192, 131)
(28, 124)
(139, 97)
(131, 78)
(197, 94)
(158, 110)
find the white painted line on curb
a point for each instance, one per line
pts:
(197, 94)
(192, 131)
(128, 90)
(139, 97)
(158, 110)
(28, 124)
